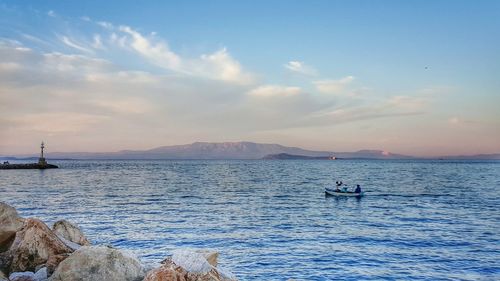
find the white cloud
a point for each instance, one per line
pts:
(74, 45)
(274, 91)
(333, 86)
(106, 25)
(300, 67)
(220, 65)
(158, 53)
(51, 13)
(97, 44)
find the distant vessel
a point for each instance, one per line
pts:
(333, 192)
(42, 163)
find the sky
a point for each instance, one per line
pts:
(412, 77)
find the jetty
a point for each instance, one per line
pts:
(42, 163)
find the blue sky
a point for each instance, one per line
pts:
(336, 75)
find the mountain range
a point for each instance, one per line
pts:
(236, 150)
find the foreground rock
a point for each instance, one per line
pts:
(96, 263)
(34, 245)
(70, 232)
(10, 223)
(40, 275)
(189, 265)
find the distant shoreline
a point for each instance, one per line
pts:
(238, 151)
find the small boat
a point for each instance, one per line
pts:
(334, 192)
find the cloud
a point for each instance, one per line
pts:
(274, 91)
(74, 45)
(220, 65)
(51, 14)
(81, 92)
(333, 86)
(158, 53)
(97, 44)
(300, 67)
(408, 103)
(106, 25)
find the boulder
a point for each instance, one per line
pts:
(22, 276)
(34, 244)
(10, 223)
(95, 263)
(190, 265)
(166, 274)
(210, 256)
(2, 276)
(70, 232)
(41, 274)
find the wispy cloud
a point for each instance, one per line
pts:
(70, 43)
(97, 44)
(300, 67)
(274, 90)
(333, 86)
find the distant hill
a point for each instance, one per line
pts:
(197, 150)
(235, 150)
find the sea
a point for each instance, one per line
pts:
(271, 220)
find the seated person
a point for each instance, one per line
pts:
(358, 189)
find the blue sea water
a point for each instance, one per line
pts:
(270, 220)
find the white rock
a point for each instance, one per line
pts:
(191, 261)
(96, 263)
(70, 232)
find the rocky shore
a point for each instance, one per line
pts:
(31, 251)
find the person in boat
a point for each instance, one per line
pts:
(337, 189)
(358, 189)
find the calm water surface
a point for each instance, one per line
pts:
(270, 220)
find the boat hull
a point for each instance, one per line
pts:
(342, 194)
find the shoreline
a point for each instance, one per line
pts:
(30, 250)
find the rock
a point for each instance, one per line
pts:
(70, 232)
(41, 274)
(10, 223)
(210, 256)
(2, 276)
(190, 265)
(70, 244)
(166, 274)
(95, 263)
(35, 244)
(22, 276)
